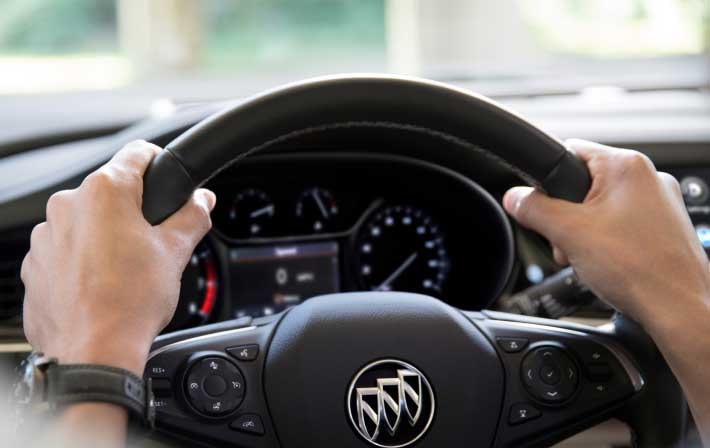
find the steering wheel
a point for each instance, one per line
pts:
(393, 369)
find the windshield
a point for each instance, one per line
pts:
(221, 48)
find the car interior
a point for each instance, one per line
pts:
(359, 152)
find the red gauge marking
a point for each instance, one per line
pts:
(210, 288)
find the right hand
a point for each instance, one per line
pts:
(100, 281)
(631, 240)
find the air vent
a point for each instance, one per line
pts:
(13, 247)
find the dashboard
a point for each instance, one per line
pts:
(293, 223)
(290, 227)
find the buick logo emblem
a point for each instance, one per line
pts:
(390, 403)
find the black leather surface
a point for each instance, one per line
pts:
(403, 104)
(320, 345)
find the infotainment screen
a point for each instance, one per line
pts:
(268, 279)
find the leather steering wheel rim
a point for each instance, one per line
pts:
(409, 104)
(406, 104)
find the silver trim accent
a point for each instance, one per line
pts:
(385, 399)
(633, 373)
(204, 337)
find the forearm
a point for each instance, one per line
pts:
(680, 331)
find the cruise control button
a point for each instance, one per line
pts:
(236, 386)
(161, 387)
(194, 386)
(522, 412)
(244, 352)
(215, 385)
(250, 423)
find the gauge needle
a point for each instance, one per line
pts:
(393, 276)
(321, 207)
(269, 209)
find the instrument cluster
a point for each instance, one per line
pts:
(265, 212)
(292, 227)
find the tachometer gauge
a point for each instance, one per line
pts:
(316, 210)
(251, 214)
(198, 290)
(401, 248)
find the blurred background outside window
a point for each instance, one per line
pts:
(49, 46)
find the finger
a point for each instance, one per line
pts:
(121, 175)
(59, 206)
(539, 212)
(671, 183)
(189, 225)
(38, 237)
(586, 150)
(25, 269)
(135, 157)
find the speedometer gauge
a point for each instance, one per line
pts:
(401, 248)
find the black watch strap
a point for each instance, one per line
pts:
(76, 383)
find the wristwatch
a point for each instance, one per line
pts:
(46, 386)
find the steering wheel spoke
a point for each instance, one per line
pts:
(208, 387)
(389, 369)
(560, 377)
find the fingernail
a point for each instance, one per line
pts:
(513, 198)
(572, 143)
(209, 198)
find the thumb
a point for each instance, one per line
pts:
(537, 211)
(191, 223)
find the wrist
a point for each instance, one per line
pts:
(667, 316)
(126, 353)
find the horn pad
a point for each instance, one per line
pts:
(326, 351)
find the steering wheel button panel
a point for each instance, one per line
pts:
(549, 374)
(214, 386)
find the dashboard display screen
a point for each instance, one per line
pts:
(268, 279)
